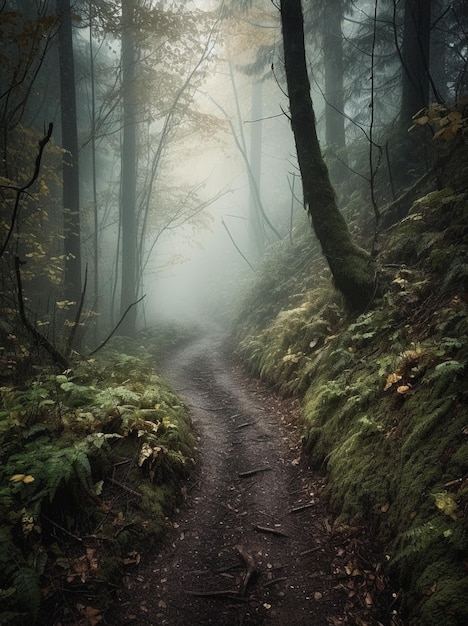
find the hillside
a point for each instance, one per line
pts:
(384, 398)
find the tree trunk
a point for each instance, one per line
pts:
(352, 268)
(255, 217)
(415, 58)
(71, 182)
(129, 173)
(332, 16)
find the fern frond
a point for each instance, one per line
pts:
(26, 582)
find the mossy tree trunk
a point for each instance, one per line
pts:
(352, 267)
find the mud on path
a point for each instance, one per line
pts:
(253, 542)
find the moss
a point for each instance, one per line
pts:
(384, 399)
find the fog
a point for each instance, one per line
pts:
(201, 270)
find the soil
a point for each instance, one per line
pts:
(254, 541)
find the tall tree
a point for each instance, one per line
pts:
(415, 58)
(332, 18)
(128, 199)
(351, 266)
(71, 180)
(255, 216)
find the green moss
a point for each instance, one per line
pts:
(384, 398)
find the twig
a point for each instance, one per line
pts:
(64, 530)
(275, 581)
(236, 246)
(296, 509)
(20, 190)
(39, 337)
(228, 593)
(245, 424)
(253, 472)
(124, 487)
(78, 313)
(311, 551)
(114, 330)
(268, 529)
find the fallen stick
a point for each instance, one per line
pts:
(226, 593)
(305, 552)
(275, 581)
(245, 424)
(253, 472)
(296, 509)
(124, 487)
(268, 529)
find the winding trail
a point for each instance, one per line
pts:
(253, 542)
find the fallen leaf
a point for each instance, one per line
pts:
(428, 591)
(402, 389)
(384, 508)
(391, 380)
(318, 595)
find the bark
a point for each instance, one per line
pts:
(438, 49)
(255, 217)
(70, 171)
(333, 69)
(129, 173)
(415, 58)
(352, 267)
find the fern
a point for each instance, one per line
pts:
(26, 582)
(417, 540)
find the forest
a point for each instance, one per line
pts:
(198, 193)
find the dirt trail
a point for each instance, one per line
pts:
(253, 543)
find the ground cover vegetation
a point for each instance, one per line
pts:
(383, 393)
(91, 462)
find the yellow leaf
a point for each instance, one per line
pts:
(17, 478)
(28, 479)
(391, 380)
(455, 116)
(402, 389)
(421, 120)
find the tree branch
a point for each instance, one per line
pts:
(110, 335)
(39, 337)
(20, 190)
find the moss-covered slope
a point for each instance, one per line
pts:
(384, 395)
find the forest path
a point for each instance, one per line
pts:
(253, 542)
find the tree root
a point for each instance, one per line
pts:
(250, 566)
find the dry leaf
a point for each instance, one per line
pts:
(428, 591)
(391, 380)
(402, 389)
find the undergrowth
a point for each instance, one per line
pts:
(91, 462)
(384, 396)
